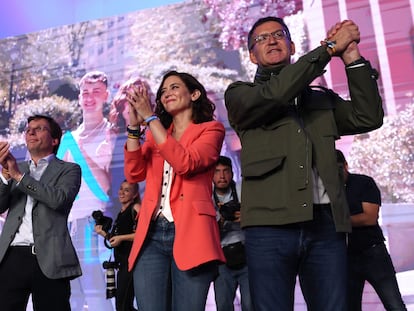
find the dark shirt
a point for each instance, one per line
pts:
(124, 224)
(362, 188)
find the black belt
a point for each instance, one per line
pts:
(160, 216)
(30, 247)
(321, 206)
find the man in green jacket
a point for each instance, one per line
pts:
(294, 210)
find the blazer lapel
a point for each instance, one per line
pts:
(52, 169)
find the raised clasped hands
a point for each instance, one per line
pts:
(346, 36)
(140, 104)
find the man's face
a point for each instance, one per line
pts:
(222, 177)
(38, 138)
(92, 96)
(271, 51)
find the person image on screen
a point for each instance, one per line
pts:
(176, 248)
(234, 273)
(368, 257)
(120, 239)
(90, 145)
(293, 208)
(36, 252)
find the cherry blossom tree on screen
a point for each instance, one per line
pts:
(387, 155)
(235, 17)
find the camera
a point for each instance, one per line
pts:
(101, 219)
(110, 267)
(228, 209)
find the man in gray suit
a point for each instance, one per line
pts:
(36, 252)
(293, 209)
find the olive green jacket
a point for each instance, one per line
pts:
(286, 128)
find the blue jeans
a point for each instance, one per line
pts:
(159, 285)
(225, 287)
(313, 250)
(375, 266)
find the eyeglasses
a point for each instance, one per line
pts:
(264, 37)
(36, 129)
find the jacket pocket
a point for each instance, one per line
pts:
(204, 208)
(263, 166)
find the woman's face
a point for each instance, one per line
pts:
(126, 193)
(175, 96)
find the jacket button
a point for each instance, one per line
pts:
(304, 205)
(299, 130)
(301, 167)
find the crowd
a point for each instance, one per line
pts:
(291, 217)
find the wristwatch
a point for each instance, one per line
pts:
(331, 45)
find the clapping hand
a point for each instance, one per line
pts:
(140, 103)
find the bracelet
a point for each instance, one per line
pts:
(135, 134)
(133, 131)
(151, 118)
(331, 45)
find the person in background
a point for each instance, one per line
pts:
(294, 211)
(120, 238)
(36, 252)
(176, 248)
(234, 273)
(368, 257)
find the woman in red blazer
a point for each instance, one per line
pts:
(176, 246)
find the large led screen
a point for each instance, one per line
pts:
(41, 71)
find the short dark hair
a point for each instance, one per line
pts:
(94, 76)
(340, 158)
(55, 129)
(223, 160)
(261, 21)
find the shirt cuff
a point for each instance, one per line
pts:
(3, 179)
(358, 63)
(21, 179)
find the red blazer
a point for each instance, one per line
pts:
(193, 160)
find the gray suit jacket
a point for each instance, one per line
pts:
(53, 197)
